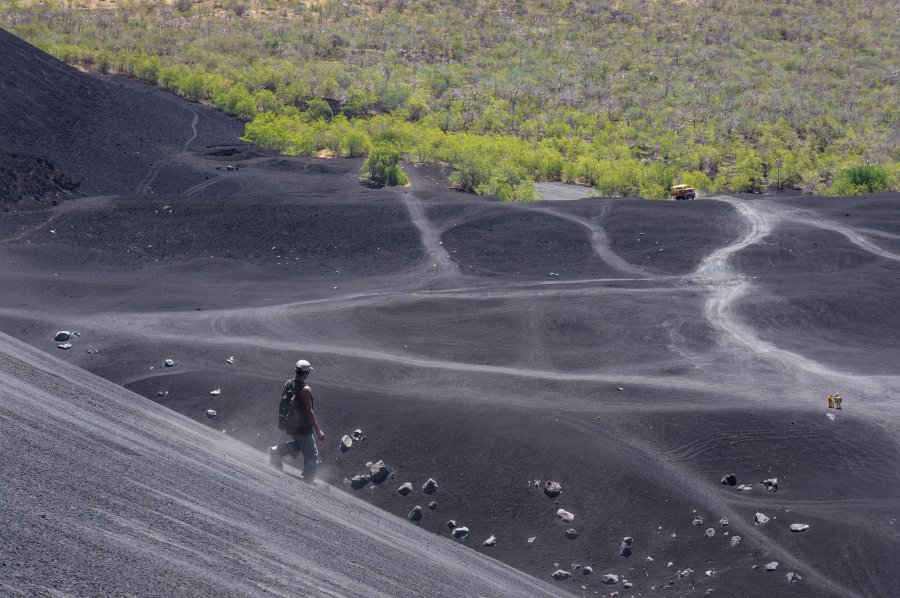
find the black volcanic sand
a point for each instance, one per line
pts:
(633, 351)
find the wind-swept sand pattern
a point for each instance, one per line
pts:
(633, 351)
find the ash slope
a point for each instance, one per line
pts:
(106, 493)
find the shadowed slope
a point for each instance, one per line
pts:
(107, 493)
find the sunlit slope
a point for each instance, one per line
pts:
(103, 492)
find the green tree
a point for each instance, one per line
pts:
(383, 165)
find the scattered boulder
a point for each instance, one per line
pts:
(405, 489)
(169, 363)
(625, 546)
(415, 515)
(610, 579)
(760, 519)
(588, 570)
(627, 585)
(571, 533)
(560, 575)
(451, 524)
(92, 351)
(686, 572)
(64, 346)
(735, 540)
(432, 505)
(357, 435)
(230, 360)
(552, 489)
(772, 566)
(461, 532)
(793, 577)
(745, 488)
(216, 392)
(723, 521)
(698, 520)
(771, 484)
(162, 393)
(430, 487)
(730, 480)
(531, 540)
(710, 532)
(211, 413)
(378, 472)
(62, 336)
(799, 527)
(346, 443)
(491, 541)
(565, 515)
(359, 481)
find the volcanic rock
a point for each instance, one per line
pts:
(64, 346)
(357, 435)
(771, 484)
(451, 524)
(744, 488)
(430, 487)
(698, 520)
(211, 413)
(588, 570)
(793, 577)
(799, 527)
(624, 547)
(491, 541)
(359, 481)
(735, 540)
(552, 489)
(571, 533)
(710, 532)
(216, 392)
(772, 566)
(415, 515)
(346, 443)
(461, 532)
(432, 505)
(405, 489)
(62, 335)
(565, 515)
(560, 575)
(730, 479)
(610, 579)
(378, 472)
(169, 363)
(760, 519)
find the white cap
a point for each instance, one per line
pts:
(302, 366)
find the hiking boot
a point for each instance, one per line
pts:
(275, 458)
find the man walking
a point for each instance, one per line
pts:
(301, 424)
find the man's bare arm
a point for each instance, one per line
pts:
(306, 394)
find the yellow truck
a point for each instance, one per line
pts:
(682, 192)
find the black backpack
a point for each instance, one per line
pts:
(291, 414)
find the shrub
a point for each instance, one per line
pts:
(860, 179)
(319, 109)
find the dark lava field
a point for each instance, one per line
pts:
(635, 352)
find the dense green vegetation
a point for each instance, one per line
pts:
(625, 96)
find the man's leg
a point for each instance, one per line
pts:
(310, 452)
(292, 449)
